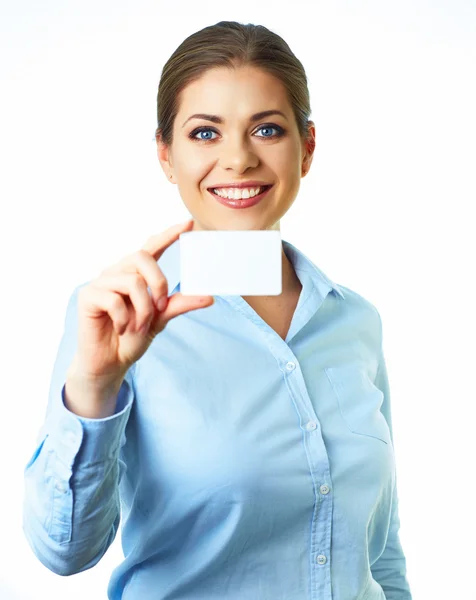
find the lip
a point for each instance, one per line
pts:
(242, 203)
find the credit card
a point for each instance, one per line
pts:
(243, 263)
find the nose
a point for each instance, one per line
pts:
(237, 154)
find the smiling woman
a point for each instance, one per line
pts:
(251, 447)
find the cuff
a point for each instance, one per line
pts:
(82, 440)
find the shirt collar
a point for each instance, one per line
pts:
(169, 264)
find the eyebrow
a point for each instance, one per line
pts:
(253, 118)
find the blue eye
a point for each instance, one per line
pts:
(269, 127)
(199, 130)
(202, 130)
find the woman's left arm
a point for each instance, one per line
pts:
(390, 569)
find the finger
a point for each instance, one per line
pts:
(149, 269)
(179, 304)
(134, 288)
(95, 302)
(145, 264)
(157, 244)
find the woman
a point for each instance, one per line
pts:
(246, 440)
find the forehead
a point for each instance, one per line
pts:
(217, 87)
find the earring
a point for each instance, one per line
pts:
(171, 177)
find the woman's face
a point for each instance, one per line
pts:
(205, 154)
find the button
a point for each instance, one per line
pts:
(290, 366)
(321, 559)
(325, 489)
(61, 487)
(311, 425)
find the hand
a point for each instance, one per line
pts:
(118, 319)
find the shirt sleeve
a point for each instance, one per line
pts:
(71, 508)
(390, 569)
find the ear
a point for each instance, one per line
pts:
(164, 156)
(308, 148)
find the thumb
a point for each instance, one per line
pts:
(178, 304)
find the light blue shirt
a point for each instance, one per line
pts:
(241, 466)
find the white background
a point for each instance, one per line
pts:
(387, 210)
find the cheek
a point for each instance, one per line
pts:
(288, 170)
(192, 167)
(286, 159)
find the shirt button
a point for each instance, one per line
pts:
(290, 366)
(325, 489)
(311, 425)
(321, 559)
(61, 487)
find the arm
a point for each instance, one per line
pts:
(71, 509)
(390, 568)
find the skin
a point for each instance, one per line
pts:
(238, 150)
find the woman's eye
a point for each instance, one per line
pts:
(199, 131)
(208, 130)
(268, 127)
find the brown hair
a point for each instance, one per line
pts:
(230, 44)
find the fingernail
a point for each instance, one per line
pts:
(161, 304)
(145, 328)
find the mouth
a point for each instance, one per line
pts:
(241, 202)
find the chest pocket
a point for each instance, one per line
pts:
(359, 401)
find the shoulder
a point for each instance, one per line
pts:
(357, 302)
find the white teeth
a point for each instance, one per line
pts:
(237, 193)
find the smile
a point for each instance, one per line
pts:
(241, 202)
